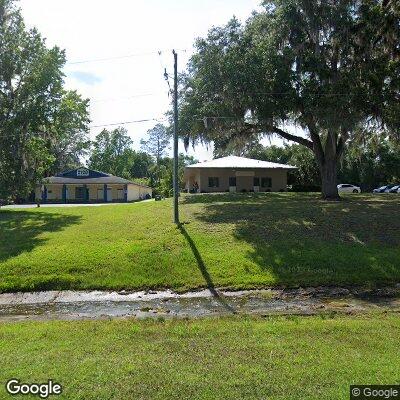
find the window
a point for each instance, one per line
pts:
(232, 181)
(266, 182)
(213, 182)
(256, 181)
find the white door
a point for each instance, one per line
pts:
(109, 194)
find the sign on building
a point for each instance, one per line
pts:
(82, 172)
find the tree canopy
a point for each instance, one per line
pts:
(158, 141)
(156, 145)
(40, 122)
(370, 161)
(321, 65)
(112, 152)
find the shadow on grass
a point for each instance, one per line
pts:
(20, 230)
(203, 269)
(208, 198)
(303, 240)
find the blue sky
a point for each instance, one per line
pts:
(88, 78)
(133, 87)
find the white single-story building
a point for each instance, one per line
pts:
(84, 185)
(236, 174)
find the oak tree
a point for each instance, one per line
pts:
(326, 66)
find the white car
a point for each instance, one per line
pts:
(347, 188)
(394, 189)
(384, 189)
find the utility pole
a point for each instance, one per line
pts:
(176, 180)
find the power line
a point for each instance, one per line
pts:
(241, 92)
(126, 98)
(96, 126)
(129, 122)
(196, 118)
(149, 53)
(109, 58)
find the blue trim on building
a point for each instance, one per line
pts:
(105, 193)
(64, 193)
(85, 193)
(82, 173)
(44, 194)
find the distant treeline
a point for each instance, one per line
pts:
(368, 163)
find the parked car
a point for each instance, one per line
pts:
(381, 189)
(389, 188)
(395, 189)
(347, 188)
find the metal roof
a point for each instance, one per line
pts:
(93, 177)
(240, 162)
(105, 179)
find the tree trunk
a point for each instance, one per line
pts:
(327, 158)
(327, 155)
(329, 179)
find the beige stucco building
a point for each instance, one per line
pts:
(83, 185)
(236, 174)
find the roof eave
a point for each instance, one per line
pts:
(219, 167)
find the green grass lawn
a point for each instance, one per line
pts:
(226, 358)
(235, 241)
